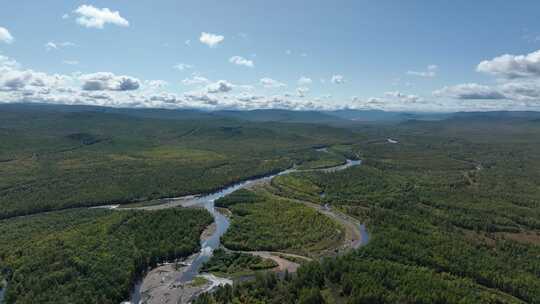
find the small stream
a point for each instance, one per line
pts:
(222, 222)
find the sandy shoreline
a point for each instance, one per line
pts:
(160, 285)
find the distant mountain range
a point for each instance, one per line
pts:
(338, 117)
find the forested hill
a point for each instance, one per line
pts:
(60, 157)
(343, 117)
(453, 212)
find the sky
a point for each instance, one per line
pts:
(303, 55)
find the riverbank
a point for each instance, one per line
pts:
(161, 285)
(172, 283)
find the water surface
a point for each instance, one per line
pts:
(222, 222)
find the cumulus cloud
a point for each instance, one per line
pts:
(521, 90)
(469, 91)
(518, 82)
(5, 36)
(108, 89)
(183, 66)
(221, 86)
(401, 97)
(104, 81)
(7, 63)
(302, 91)
(369, 103)
(51, 45)
(97, 95)
(512, 66)
(244, 97)
(166, 98)
(212, 40)
(430, 72)
(271, 83)
(12, 78)
(239, 60)
(157, 84)
(338, 79)
(102, 89)
(195, 79)
(93, 17)
(204, 98)
(302, 81)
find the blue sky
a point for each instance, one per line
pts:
(394, 55)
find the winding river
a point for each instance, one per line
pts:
(222, 222)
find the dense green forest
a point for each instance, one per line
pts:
(452, 208)
(225, 263)
(453, 212)
(90, 255)
(53, 160)
(261, 221)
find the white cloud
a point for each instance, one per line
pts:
(302, 91)
(7, 63)
(469, 91)
(65, 16)
(238, 60)
(156, 84)
(195, 79)
(166, 98)
(5, 36)
(338, 79)
(205, 98)
(183, 66)
(71, 62)
(244, 97)
(93, 17)
(271, 83)
(15, 80)
(51, 45)
(187, 42)
(288, 52)
(369, 103)
(401, 97)
(430, 72)
(104, 81)
(107, 89)
(521, 90)
(12, 80)
(518, 83)
(212, 40)
(302, 81)
(512, 66)
(221, 86)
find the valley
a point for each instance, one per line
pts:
(452, 205)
